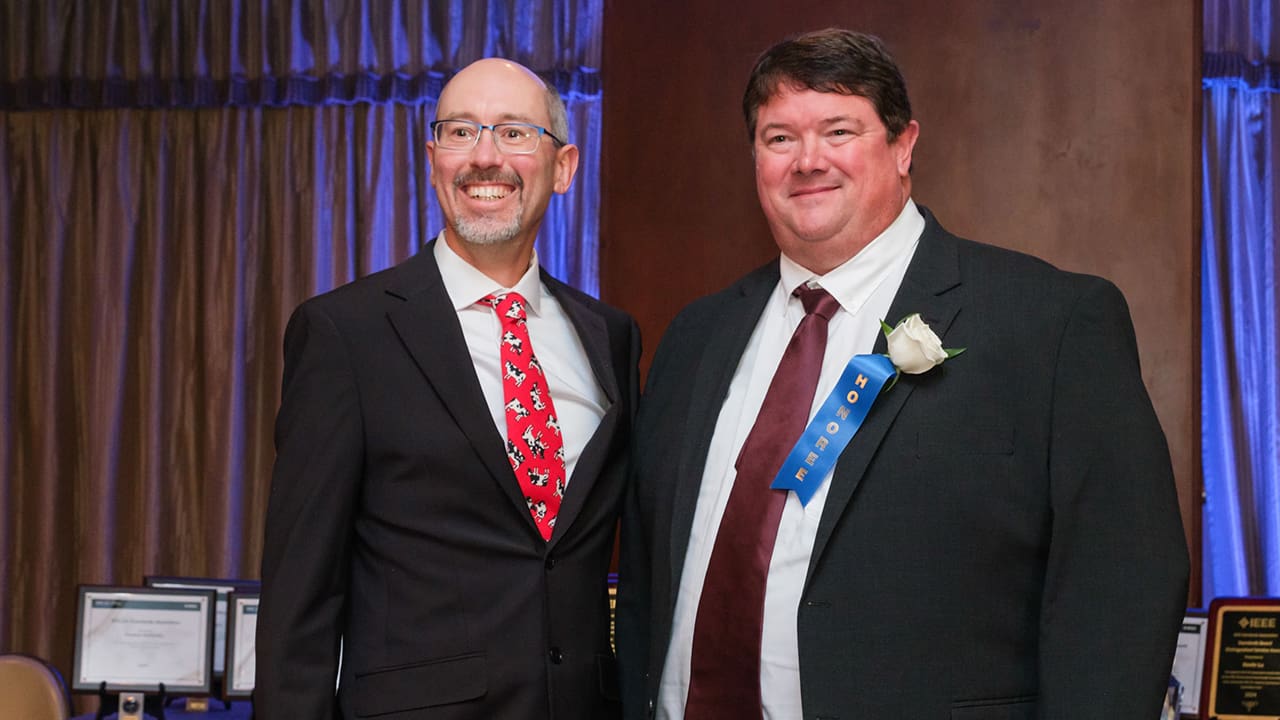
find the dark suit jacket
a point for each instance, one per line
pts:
(1000, 540)
(396, 524)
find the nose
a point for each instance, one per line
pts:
(810, 157)
(486, 152)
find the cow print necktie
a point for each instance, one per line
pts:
(534, 445)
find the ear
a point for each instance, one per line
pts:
(565, 168)
(431, 163)
(903, 145)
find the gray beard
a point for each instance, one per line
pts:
(485, 231)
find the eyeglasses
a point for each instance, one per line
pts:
(512, 138)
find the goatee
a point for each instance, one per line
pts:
(486, 230)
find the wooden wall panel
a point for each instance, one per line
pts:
(1068, 130)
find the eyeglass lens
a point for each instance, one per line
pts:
(510, 137)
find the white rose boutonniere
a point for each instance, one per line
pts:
(913, 346)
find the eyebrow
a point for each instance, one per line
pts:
(837, 119)
(504, 117)
(515, 117)
(766, 129)
(825, 122)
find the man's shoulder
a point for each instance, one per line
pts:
(566, 292)
(998, 266)
(755, 284)
(373, 292)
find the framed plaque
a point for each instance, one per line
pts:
(135, 639)
(223, 588)
(242, 630)
(1188, 662)
(1242, 666)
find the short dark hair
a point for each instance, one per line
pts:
(831, 60)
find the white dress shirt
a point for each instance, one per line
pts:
(576, 395)
(864, 286)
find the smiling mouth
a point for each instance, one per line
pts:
(488, 192)
(804, 192)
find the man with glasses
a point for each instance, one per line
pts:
(450, 452)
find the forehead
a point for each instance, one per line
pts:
(492, 92)
(801, 107)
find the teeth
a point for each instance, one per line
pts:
(486, 192)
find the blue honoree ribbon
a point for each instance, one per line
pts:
(831, 429)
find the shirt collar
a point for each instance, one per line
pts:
(466, 285)
(853, 282)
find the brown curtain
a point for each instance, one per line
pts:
(152, 259)
(162, 211)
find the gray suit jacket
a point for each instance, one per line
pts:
(1000, 540)
(396, 523)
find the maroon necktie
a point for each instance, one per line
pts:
(534, 445)
(724, 675)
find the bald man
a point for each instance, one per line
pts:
(450, 452)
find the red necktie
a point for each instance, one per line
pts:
(724, 676)
(534, 445)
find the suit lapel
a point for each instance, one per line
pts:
(726, 339)
(594, 335)
(428, 326)
(934, 270)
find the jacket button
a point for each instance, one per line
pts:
(551, 563)
(556, 656)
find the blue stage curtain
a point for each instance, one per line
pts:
(254, 54)
(1240, 341)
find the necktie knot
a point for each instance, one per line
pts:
(817, 301)
(508, 305)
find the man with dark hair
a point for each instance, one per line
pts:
(450, 452)
(997, 536)
(832, 61)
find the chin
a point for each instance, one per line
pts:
(812, 239)
(487, 232)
